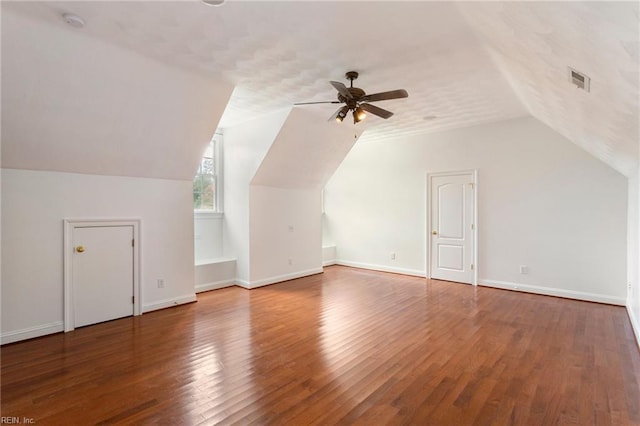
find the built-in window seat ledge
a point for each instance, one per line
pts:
(215, 273)
(215, 260)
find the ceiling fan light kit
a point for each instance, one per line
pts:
(342, 113)
(356, 100)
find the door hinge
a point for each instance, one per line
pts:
(133, 243)
(133, 300)
(472, 266)
(472, 227)
(471, 185)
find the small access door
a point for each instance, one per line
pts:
(102, 273)
(452, 228)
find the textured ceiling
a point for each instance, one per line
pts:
(533, 44)
(464, 63)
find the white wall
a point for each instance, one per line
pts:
(286, 234)
(285, 196)
(275, 168)
(543, 202)
(245, 146)
(34, 204)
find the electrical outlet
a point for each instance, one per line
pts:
(524, 269)
(160, 283)
(290, 261)
(393, 256)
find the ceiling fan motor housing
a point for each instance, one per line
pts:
(356, 92)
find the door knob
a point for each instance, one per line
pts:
(80, 249)
(434, 232)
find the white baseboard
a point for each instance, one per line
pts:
(552, 291)
(635, 324)
(214, 285)
(280, 278)
(243, 283)
(403, 271)
(161, 304)
(31, 332)
(328, 255)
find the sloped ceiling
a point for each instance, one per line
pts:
(316, 158)
(462, 63)
(533, 44)
(75, 104)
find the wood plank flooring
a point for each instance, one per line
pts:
(345, 347)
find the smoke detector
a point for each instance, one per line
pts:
(580, 80)
(73, 20)
(213, 2)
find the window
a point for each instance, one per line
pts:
(206, 183)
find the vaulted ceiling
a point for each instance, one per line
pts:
(462, 63)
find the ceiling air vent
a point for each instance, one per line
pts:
(580, 80)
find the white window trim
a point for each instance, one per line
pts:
(218, 152)
(219, 165)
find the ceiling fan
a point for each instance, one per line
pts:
(356, 100)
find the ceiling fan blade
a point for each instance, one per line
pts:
(321, 102)
(384, 96)
(342, 89)
(376, 110)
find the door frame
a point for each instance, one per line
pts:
(474, 175)
(70, 224)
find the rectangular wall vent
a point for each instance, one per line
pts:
(580, 80)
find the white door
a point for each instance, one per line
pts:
(452, 200)
(102, 273)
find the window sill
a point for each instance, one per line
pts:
(207, 214)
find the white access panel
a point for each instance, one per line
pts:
(102, 273)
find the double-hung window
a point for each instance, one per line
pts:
(207, 181)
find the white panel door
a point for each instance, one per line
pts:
(452, 213)
(102, 273)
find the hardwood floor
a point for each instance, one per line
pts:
(345, 347)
